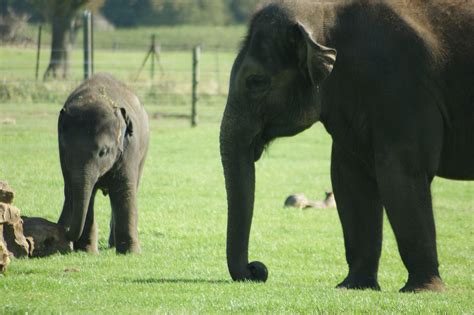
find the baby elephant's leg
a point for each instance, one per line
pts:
(123, 199)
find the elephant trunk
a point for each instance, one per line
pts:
(82, 187)
(237, 154)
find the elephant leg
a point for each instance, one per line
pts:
(361, 213)
(88, 240)
(407, 199)
(67, 205)
(124, 206)
(407, 152)
(112, 231)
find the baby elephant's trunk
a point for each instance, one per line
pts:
(81, 198)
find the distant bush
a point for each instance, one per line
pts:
(127, 13)
(28, 91)
(13, 27)
(171, 12)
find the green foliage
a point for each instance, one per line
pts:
(45, 10)
(242, 9)
(128, 13)
(167, 12)
(171, 12)
(182, 229)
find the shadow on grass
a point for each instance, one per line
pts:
(159, 281)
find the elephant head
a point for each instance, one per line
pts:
(274, 92)
(91, 141)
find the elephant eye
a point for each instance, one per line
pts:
(257, 83)
(103, 152)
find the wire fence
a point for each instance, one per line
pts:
(164, 80)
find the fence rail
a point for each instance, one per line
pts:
(167, 82)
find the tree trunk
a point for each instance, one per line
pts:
(59, 60)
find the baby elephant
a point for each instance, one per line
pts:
(103, 141)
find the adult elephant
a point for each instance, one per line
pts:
(103, 141)
(392, 82)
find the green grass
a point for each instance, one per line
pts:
(122, 52)
(171, 84)
(169, 37)
(182, 223)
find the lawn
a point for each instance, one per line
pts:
(182, 227)
(169, 37)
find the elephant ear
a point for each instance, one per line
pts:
(126, 129)
(63, 125)
(128, 123)
(319, 59)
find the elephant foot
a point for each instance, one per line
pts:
(88, 248)
(111, 242)
(125, 248)
(359, 283)
(257, 272)
(423, 283)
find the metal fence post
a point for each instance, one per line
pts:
(92, 41)
(38, 52)
(196, 57)
(218, 75)
(87, 45)
(153, 47)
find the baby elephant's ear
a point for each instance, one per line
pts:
(128, 122)
(319, 59)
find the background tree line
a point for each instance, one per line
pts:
(126, 13)
(62, 16)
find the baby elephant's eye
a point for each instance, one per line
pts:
(257, 83)
(103, 152)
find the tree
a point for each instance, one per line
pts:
(208, 12)
(167, 12)
(242, 9)
(61, 14)
(127, 13)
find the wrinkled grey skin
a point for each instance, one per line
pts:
(103, 141)
(392, 82)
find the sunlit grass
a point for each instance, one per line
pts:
(182, 226)
(175, 37)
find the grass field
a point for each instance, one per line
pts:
(182, 222)
(170, 89)
(169, 37)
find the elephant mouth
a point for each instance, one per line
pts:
(261, 142)
(258, 151)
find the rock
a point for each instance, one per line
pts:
(4, 257)
(24, 236)
(46, 237)
(11, 231)
(6, 193)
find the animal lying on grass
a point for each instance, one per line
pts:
(301, 202)
(392, 83)
(103, 141)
